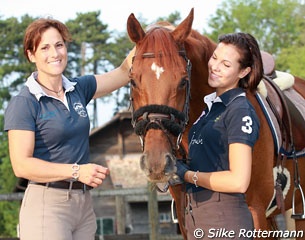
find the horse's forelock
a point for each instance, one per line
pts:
(159, 41)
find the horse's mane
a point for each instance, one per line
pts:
(199, 46)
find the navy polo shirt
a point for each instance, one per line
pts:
(61, 128)
(229, 118)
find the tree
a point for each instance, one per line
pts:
(90, 37)
(14, 68)
(278, 25)
(292, 57)
(116, 52)
(174, 18)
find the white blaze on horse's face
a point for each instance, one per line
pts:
(157, 69)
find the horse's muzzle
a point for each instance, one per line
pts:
(158, 170)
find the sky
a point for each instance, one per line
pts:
(114, 13)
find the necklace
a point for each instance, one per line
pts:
(57, 92)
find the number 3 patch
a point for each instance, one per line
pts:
(247, 128)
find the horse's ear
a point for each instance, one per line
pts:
(134, 29)
(183, 30)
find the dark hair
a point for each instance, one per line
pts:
(34, 31)
(251, 57)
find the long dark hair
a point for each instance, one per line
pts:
(251, 57)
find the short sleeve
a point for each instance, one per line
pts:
(87, 85)
(20, 114)
(243, 126)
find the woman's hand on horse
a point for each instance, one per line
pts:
(181, 168)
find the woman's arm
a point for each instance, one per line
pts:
(110, 81)
(236, 179)
(38, 170)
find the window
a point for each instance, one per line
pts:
(164, 217)
(105, 226)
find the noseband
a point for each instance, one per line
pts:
(165, 118)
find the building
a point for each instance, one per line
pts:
(116, 146)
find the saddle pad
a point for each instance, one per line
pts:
(283, 175)
(283, 80)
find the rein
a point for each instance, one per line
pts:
(165, 118)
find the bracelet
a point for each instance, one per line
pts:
(195, 178)
(75, 172)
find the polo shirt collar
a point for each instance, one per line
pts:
(36, 89)
(226, 98)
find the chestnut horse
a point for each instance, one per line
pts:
(168, 82)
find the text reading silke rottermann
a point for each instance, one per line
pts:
(243, 233)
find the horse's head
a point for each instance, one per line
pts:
(160, 92)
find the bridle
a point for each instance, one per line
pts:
(168, 119)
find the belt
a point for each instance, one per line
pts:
(65, 185)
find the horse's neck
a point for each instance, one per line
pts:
(199, 89)
(199, 55)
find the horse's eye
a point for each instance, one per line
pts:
(183, 82)
(132, 83)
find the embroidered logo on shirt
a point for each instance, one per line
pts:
(217, 119)
(196, 141)
(79, 108)
(47, 115)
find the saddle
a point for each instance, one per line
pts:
(289, 117)
(288, 113)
